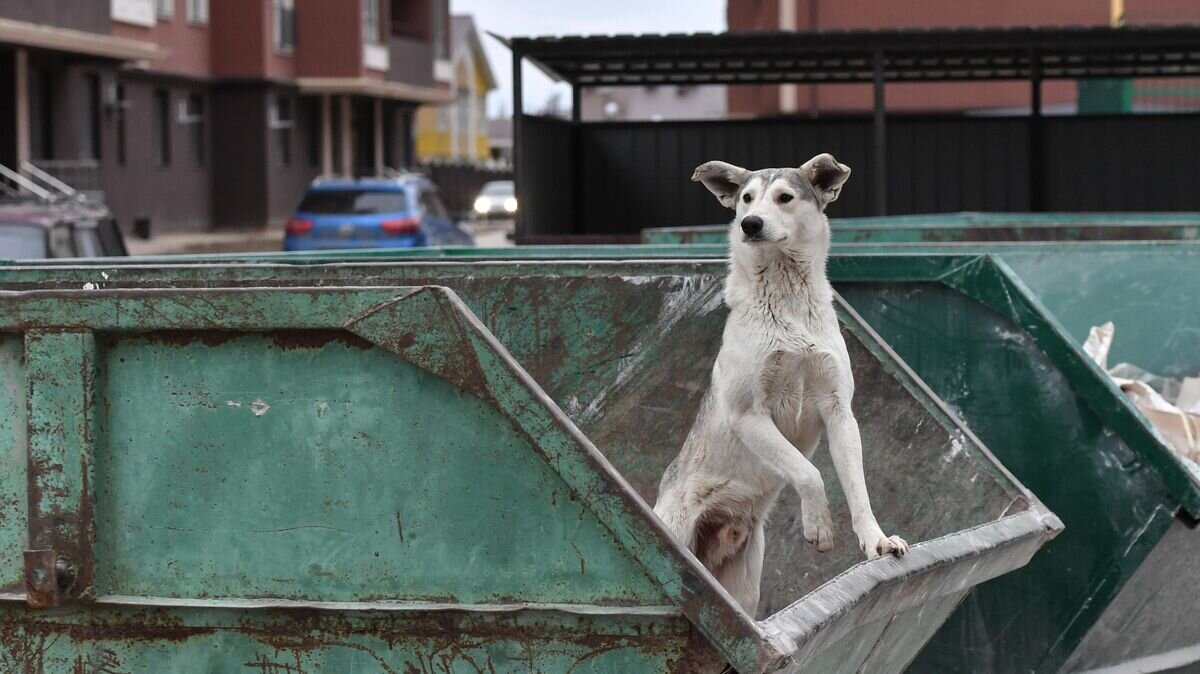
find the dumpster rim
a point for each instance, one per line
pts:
(794, 630)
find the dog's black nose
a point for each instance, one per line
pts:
(752, 225)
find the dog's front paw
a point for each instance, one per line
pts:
(887, 545)
(818, 526)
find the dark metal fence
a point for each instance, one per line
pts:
(459, 184)
(619, 178)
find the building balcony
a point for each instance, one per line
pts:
(410, 61)
(377, 57)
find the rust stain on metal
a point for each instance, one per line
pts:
(83, 556)
(103, 661)
(42, 584)
(293, 632)
(316, 339)
(140, 626)
(186, 337)
(283, 339)
(698, 657)
(268, 666)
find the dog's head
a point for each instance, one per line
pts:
(782, 207)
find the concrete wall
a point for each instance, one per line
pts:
(252, 187)
(176, 196)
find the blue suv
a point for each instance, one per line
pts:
(401, 211)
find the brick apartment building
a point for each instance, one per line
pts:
(212, 113)
(1057, 96)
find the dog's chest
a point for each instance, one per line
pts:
(783, 375)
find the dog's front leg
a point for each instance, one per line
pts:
(758, 432)
(845, 448)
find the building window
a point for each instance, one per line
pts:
(121, 138)
(162, 127)
(191, 114)
(165, 8)
(408, 19)
(284, 25)
(371, 21)
(89, 138)
(197, 11)
(281, 123)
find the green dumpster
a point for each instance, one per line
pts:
(975, 227)
(360, 477)
(1149, 290)
(968, 326)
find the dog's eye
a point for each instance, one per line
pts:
(784, 198)
(746, 197)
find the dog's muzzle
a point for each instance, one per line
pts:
(752, 227)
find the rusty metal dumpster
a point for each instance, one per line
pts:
(1149, 290)
(347, 479)
(972, 226)
(970, 328)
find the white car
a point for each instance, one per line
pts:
(496, 200)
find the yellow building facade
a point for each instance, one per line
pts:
(458, 130)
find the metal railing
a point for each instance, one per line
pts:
(36, 182)
(81, 174)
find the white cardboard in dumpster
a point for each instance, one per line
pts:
(1178, 420)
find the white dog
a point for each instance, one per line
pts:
(781, 377)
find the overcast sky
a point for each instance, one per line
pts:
(526, 18)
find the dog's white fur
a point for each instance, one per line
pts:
(781, 377)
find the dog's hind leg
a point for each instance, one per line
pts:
(741, 575)
(720, 538)
(681, 520)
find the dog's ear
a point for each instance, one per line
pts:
(723, 180)
(826, 176)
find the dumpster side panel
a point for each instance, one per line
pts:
(1013, 398)
(885, 646)
(224, 452)
(108, 639)
(1149, 293)
(14, 454)
(1152, 617)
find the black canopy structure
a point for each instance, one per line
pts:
(878, 57)
(862, 56)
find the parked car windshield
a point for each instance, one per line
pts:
(498, 188)
(19, 241)
(353, 202)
